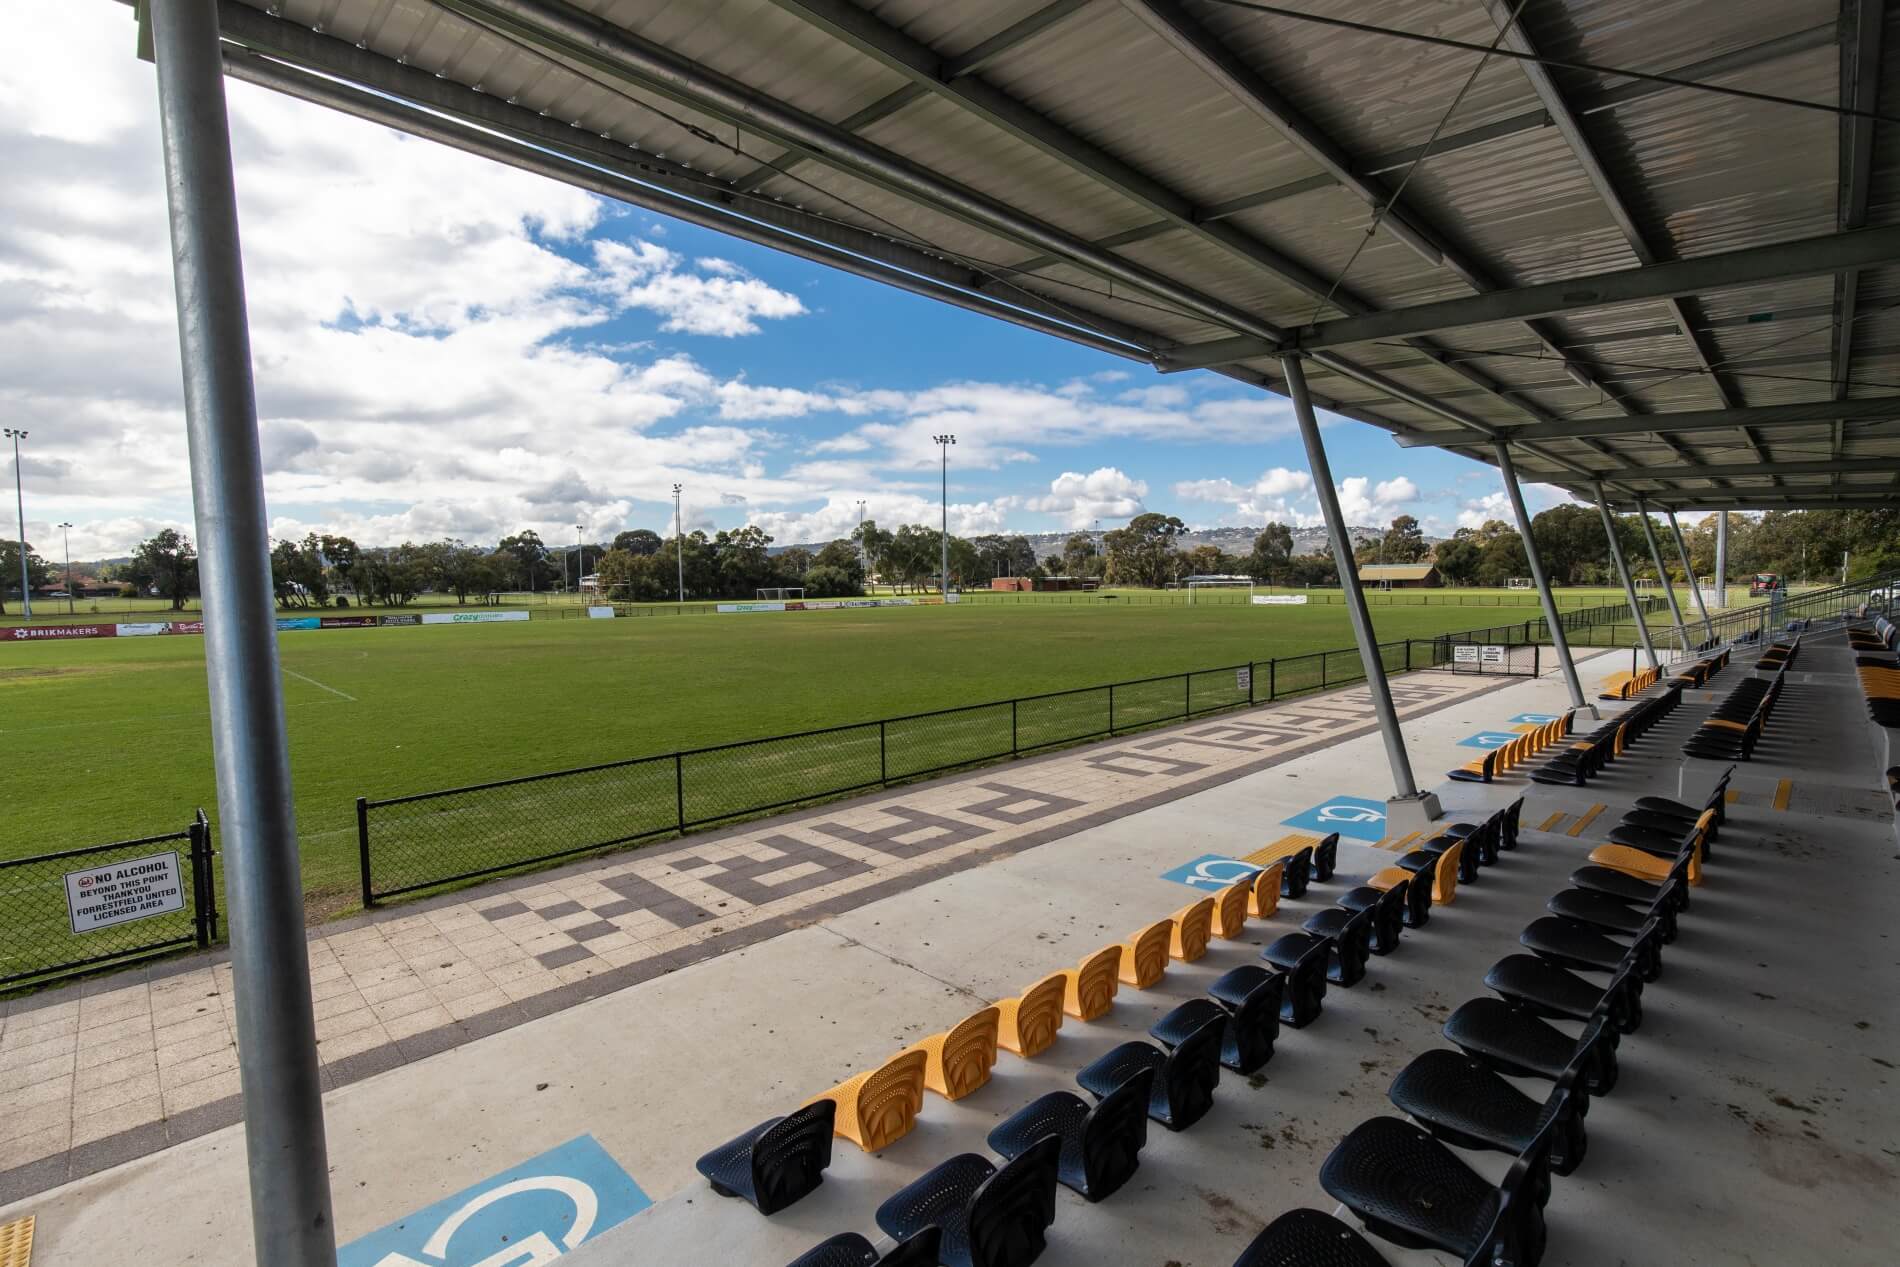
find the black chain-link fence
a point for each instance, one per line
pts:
(101, 905)
(414, 842)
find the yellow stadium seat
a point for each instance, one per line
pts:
(959, 1060)
(1027, 1025)
(1389, 878)
(879, 1106)
(1264, 898)
(1230, 909)
(1089, 988)
(1193, 926)
(1145, 954)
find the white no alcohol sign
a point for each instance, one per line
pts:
(137, 888)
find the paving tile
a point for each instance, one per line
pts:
(136, 1025)
(562, 956)
(404, 1005)
(117, 1093)
(197, 1068)
(25, 1121)
(59, 1065)
(200, 1091)
(408, 1026)
(346, 1023)
(334, 1049)
(97, 1076)
(47, 1139)
(111, 1119)
(475, 1004)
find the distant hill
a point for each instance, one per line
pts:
(1228, 540)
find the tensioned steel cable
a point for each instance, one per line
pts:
(1379, 215)
(1561, 63)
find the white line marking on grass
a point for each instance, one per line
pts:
(320, 686)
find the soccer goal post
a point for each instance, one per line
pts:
(1195, 584)
(780, 595)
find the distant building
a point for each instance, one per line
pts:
(1401, 576)
(1024, 584)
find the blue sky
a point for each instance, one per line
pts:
(447, 347)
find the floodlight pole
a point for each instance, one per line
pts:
(1688, 572)
(580, 558)
(66, 535)
(1623, 572)
(292, 1224)
(1721, 560)
(679, 541)
(1662, 573)
(1508, 469)
(1409, 809)
(19, 502)
(943, 447)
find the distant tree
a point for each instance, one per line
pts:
(1404, 541)
(1079, 555)
(166, 563)
(526, 555)
(1457, 559)
(298, 575)
(639, 541)
(1143, 552)
(828, 581)
(875, 542)
(1501, 558)
(39, 571)
(790, 565)
(1271, 551)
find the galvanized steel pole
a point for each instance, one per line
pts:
(1662, 573)
(277, 1042)
(1688, 572)
(1629, 586)
(1356, 611)
(1721, 559)
(19, 501)
(679, 541)
(1509, 470)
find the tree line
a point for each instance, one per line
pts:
(639, 565)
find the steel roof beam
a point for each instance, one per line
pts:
(1738, 470)
(1571, 129)
(1741, 59)
(898, 52)
(1860, 87)
(622, 58)
(1878, 408)
(1767, 496)
(620, 172)
(1726, 270)
(953, 68)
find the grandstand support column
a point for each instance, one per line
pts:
(291, 1219)
(1623, 573)
(1409, 809)
(1721, 559)
(1688, 572)
(1662, 573)
(1551, 619)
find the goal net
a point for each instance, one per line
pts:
(780, 595)
(1519, 583)
(1195, 584)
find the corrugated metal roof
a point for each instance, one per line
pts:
(1396, 571)
(1083, 168)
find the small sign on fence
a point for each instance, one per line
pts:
(137, 888)
(1243, 680)
(1491, 654)
(1464, 653)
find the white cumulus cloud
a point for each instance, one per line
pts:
(1079, 500)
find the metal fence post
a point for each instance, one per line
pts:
(362, 849)
(1273, 679)
(883, 766)
(1012, 729)
(200, 866)
(1408, 655)
(1111, 708)
(1187, 695)
(679, 788)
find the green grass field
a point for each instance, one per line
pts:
(107, 739)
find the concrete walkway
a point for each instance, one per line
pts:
(121, 1066)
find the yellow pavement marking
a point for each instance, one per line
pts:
(1397, 846)
(1281, 848)
(1732, 796)
(1524, 727)
(1550, 824)
(16, 1243)
(1783, 790)
(1589, 817)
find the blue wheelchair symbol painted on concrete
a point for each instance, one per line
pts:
(1210, 871)
(1488, 739)
(523, 1217)
(1531, 719)
(1348, 815)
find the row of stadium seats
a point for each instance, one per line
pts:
(1401, 1177)
(1879, 670)
(1583, 760)
(975, 1210)
(1499, 761)
(1732, 730)
(1627, 686)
